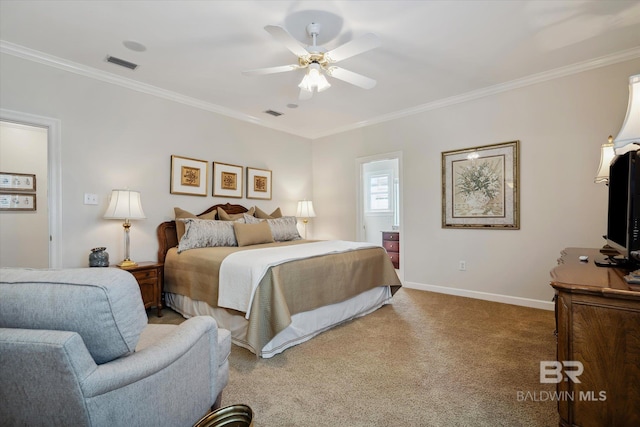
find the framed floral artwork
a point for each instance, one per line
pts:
(258, 184)
(480, 187)
(189, 176)
(17, 202)
(227, 180)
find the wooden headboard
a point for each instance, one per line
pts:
(168, 237)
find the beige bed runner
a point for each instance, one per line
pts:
(286, 289)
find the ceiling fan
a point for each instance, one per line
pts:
(318, 61)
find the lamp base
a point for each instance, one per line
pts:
(127, 263)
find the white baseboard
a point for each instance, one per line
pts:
(505, 299)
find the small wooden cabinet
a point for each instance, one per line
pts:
(149, 277)
(391, 242)
(598, 325)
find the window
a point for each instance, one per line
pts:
(380, 192)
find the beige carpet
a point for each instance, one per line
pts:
(426, 360)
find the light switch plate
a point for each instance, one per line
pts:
(90, 199)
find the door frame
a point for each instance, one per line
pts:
(54, 171)
(360, 162)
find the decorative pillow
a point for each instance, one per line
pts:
(204, 233)
(284, 229)
(252, 234)
(263, 215)
(248, 219)
(181, 213)
(232, 217)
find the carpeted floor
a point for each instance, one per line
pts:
(428, 359)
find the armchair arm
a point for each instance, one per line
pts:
(197, 334)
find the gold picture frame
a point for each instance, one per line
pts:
(189, 176)
(258, 184)
(11, 182)
(227, 180)
(480, 187)
(17, 202)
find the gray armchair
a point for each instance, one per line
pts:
(76, 349)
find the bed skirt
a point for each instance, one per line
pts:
(303, 327)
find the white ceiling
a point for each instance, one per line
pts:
(433, 53)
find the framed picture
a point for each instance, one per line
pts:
(189, 176)
(227, 180)
(258, 184)
(480, 187)
(17, 182)
(17, 202)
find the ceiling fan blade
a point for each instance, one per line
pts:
(354, 47)
(270, 70)
(351, 77)
(304, 95)
(286, 39)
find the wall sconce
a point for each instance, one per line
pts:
(607, 153)
(628, 138)
(125, 204)
(305, 211)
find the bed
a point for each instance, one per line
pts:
(302, 287)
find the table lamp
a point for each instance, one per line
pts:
(305, 211)
(125, 204)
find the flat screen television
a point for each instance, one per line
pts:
(623, 215)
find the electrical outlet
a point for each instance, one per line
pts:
(90, 199)
(462, 266)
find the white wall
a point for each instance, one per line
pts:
(114, 137)
(560, 124)
(25, 234)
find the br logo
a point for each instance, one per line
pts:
(551, 371)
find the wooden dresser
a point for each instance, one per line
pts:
(598, 325)
(391, 242)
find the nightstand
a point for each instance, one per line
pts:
(149, 277)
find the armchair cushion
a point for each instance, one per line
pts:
(102, 304)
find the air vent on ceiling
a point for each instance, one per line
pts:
(121, 62)
(274, 113)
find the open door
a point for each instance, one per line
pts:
(380, 201)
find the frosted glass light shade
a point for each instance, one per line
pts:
(628, 138)
(124, 204)
(305, 209)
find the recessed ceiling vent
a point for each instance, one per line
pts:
(121, 62)
(274, 113)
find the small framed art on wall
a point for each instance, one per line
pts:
(258, 184)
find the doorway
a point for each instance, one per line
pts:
(380, 199)
(30, 144)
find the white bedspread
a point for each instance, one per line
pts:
(241, 272)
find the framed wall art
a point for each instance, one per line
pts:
(258, 184)
(17, 182)
(189, 176)
(17, 202)
(480, 187)
(227, 180)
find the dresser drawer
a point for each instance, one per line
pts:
(145, 274)
(390, 235)
(391, 246)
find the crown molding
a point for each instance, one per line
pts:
(56, 62)
(622, 56)
(83, 70)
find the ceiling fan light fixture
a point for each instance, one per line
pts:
(314, 79)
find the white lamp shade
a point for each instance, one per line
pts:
(124, 204)
(607, 154)
(629, 136)
(305, 209)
